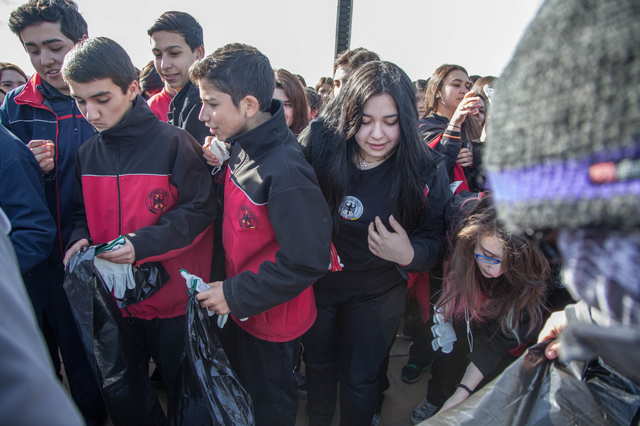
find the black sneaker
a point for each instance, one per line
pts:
(301, 384)
(411, 373)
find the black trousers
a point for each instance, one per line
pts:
(265, 369)
(44, 285)
(163, 340)
(347, 344)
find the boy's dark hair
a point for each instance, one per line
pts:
(354, 59)
(238, 70)
(180, 23)
(421, 84)
(72, 24)
(96, 59)
(301, 79)
(313, 98)
(473, 78)
(323, 81)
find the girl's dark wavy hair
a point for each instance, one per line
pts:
(520, 290)
(330, 143)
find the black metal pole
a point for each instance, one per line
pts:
(343, 26)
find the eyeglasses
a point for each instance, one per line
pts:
(487, 260)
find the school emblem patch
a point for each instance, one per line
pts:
(351, 208)
(157, 200)
(247, 218)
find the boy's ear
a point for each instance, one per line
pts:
(199, 52)
(132, 90)
(252, 106)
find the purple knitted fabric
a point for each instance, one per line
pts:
(569, 99)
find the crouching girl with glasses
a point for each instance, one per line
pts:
(489, 309)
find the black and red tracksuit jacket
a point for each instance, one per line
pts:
(146, 180)
(276, 232)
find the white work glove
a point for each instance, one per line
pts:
(117, 276)
(443, 333)
(191, 281)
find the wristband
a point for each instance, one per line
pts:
(465, 387)
(453, 125)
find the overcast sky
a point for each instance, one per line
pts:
(299, 35)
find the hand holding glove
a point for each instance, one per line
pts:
(117, 276)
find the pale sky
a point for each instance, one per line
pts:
(299, 35)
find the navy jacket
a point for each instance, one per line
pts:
(22, 198)
(38, 111)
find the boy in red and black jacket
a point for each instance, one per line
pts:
(276, 228)
(145, 180)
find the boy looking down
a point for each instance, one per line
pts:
(277, 228)
(142, 179)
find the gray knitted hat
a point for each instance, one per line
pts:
(563, 145)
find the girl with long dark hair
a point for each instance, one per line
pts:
(387, 197)
(445, 127)
(490, 307)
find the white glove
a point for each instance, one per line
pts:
(443, 333)
(191, 281)
(218, 149)
(117, 276)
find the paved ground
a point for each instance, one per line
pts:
(399, 401)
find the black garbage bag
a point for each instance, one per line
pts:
(149, 278)
(536, 391)
(121, 372)
(206, 378)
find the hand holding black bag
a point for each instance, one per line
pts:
(537, 391)
(121, 372)
(206, 378)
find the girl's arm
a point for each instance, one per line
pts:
(471, 379)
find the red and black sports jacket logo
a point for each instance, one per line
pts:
(157, 200)
(247, 218)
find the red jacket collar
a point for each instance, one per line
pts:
(30, 95)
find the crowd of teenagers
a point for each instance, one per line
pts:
(324, 219)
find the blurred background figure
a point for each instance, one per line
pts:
(315, 103)
(421, 88)
(346, 63)
(291, 92)
(324, 88)
(150, 81)
(11, 76)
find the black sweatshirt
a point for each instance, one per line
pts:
(367, 198)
